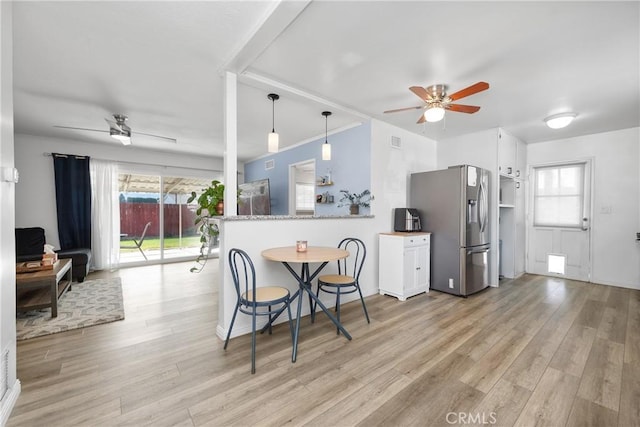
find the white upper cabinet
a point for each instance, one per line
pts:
(521, 160)
(507, 148)
(512, 155)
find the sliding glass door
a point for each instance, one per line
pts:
(156, 223)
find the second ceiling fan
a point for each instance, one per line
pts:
(119, 130)
(437, 101)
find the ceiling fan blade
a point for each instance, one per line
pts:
(421, 119)
(74, 128)
(470, 109)
(155, 136)
(403, 109)
(421, 92)
(478, 87)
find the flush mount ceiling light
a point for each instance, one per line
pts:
(434, 113)
(559, 121)
(326, 147)
(274, 138)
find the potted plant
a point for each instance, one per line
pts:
(355, 200)
(210, 203)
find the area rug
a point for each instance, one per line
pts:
(90, 303)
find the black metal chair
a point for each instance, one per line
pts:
(138, 243)
(254, 301)
(348, 278)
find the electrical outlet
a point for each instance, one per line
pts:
(451, 283)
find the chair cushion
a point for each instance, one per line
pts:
(266, 294)
(337, 279)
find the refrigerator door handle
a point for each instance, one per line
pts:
(478, 251)
(482, 213)
(485, 200)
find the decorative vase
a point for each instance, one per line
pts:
(354, 209)
(220, 207)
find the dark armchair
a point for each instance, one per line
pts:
(30, 246)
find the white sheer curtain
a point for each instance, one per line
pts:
(105, 214)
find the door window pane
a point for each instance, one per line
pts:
(139, 206)
(181, 236)
(305, 198)
(559, 196)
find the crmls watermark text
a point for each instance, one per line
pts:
(471, 418)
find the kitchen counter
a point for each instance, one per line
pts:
(406, 233)
(284, 217)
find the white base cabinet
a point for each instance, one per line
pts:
(404, 263)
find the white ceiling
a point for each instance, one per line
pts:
(162, 64)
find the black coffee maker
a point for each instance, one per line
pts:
(406, 219)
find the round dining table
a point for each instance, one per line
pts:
(313, 254)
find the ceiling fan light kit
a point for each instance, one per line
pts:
(437, 101)
(559, 121)
(124, 137)
(326, 147)
(119, 130)
(434, 114)
(274, 139)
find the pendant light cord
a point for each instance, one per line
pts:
(273, 115)
(326, 115)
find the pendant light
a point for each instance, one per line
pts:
(326, 147)
(273, 140)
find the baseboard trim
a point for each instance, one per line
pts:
(9, 402)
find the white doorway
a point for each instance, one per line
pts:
(302, 188)
(559, 223)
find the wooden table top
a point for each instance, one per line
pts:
(59, 269)
(312, 254)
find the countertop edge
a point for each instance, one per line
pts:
(405, 233)
(288, 217)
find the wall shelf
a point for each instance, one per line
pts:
(323, 184)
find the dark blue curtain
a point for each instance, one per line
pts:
(73, 200)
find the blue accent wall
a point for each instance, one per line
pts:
(350, 166)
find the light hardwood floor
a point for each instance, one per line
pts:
(536, 351)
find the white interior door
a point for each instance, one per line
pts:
(559, 220)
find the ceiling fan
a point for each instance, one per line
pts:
(437, 101)
(119, 130)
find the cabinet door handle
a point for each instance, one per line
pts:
(517, 173)
(417, 268)
(509, 171)
(517, 185)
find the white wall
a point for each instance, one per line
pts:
(7, 191)
(35, 193)
(616, 157)
(391, 168)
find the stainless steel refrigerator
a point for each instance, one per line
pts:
(454, 206)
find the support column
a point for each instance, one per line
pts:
(230, 143)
